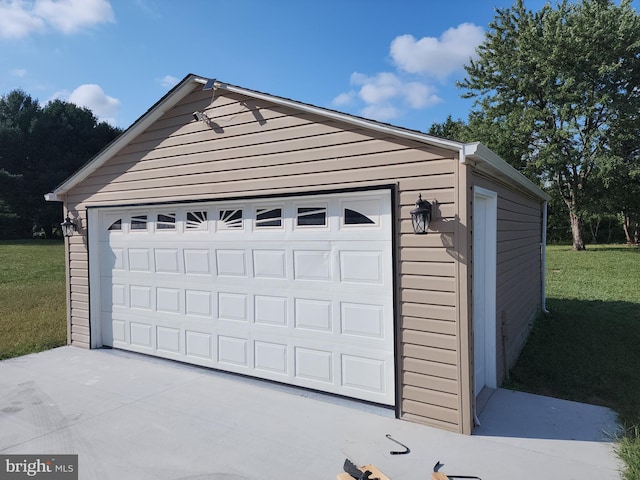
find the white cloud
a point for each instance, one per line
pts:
(420, 95)
(17, 19)
(381, 88)
(19, 72)
(169, 81)
(383, 92)
(20, 18)
(382, 113)
(418, 63)
(344, 99)
(69, 16)
(93, 97)
(435, 57)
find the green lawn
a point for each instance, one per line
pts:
(32, 297)
(588, 348)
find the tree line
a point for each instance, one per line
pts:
(40, 147)
(557, 95)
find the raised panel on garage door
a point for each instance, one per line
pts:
(296, 290)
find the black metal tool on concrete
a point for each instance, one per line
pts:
(355, 472)
(401, 452)
(437, 475)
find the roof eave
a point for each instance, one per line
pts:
(472, 151)
(485, 157)
(346, 118)
(153, 114)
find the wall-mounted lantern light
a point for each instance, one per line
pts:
(421, 216)
(69, 226)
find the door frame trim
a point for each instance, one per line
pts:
(490, 281)
(93, 254)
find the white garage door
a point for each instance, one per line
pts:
(296, 289)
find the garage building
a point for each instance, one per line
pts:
(254, 234)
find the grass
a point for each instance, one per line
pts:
(32, 297)
(588, 348)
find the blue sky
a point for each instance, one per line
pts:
(391, 61)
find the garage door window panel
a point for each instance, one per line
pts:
(352, 217)
(116, 226)
(230, 219)
(138, 223)
(166, 221)
(311, 216)
(268, 217)
(197, 220)
(365, 212)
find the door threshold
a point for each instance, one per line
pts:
(483, 398)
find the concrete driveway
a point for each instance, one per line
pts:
(128, 416)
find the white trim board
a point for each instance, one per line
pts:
(484, 286)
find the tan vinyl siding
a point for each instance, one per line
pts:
(518, 270)
(325, 173)
(291, 151)
(78, 268)
(428, 312)
(256, 148)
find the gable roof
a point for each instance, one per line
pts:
(475, 153)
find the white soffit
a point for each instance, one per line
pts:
(496, 166)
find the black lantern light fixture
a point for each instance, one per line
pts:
(69, 226)
(421, 216)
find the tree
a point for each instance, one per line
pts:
(621, 176)
(18, 112)
(39, 148)
(558, 84)
(450, 129)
